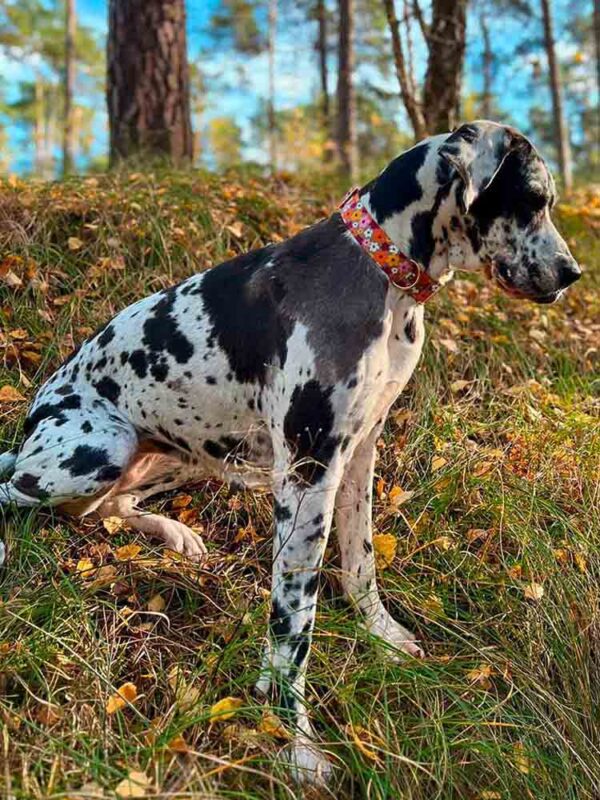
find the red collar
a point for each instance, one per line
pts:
(402, 271)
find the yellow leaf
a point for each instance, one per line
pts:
(458, 386)
(273, 726)
(113, 524)
(124, 695)
(520, 758)
(236, 229)
(157, 603)
(225, 709)
(127, 552)
(534, 591)
(437, 463)
(86, 568)
(449, 344)
(178, 745)
(74, 243)
(186, 694)
(360, 737)
(481, 675)
(135, 784)
(385, 545)
(581, 562)
(433, 606)
(397, 496)
(380, 487)
(181, 501)
(8, 394)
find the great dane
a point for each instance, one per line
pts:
(278, 368)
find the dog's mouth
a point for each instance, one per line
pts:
(494, 274)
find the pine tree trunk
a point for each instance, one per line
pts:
(487, 66)
(271, 120)
(443, 80)
(69, 128)
(148, 80)
(346, 103)
(409, 98)
(561, 135)
(321, 47)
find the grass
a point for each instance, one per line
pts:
(497, 551)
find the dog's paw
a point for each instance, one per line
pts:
(307, 763)
(181, 539)
(396, 636)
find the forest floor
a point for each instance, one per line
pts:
(487, 513)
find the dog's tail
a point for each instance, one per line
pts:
(7, 465)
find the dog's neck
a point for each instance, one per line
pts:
(413, 200)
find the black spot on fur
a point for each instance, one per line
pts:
(282, 513)
(85, 460)
(30, 485)
(64, 390)
(397, 186)
(367, 546)
(410, 329)
(279, 622)
(87, 427)
(108, 388)
(107, 335)
(162, 335)
(51, 411)
(139, 363)
(245, 315)
(307, 427)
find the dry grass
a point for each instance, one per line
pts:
(497, 551)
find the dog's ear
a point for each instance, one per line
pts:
(476, 151)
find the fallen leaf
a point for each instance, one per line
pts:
(380, 489)
(398, 496)
(437, 462)
(363, 740)
(520, 758)
(534, 591)
(481, 675)
(136, 784)
(178, 745)
(127, 552)
(113, 524)
(449, 344)
(225, 708)
(47, 715)
(458, 386)
(157, 603)
(385, 546)
(236, 229)
(85, 567)
(581, 562)
(74, 243)
(273, 726)
(8, 394)
(181, 501)
(124, 695)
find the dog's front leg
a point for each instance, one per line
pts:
(355, 534)
(303, 515)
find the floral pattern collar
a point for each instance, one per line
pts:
(402, 271)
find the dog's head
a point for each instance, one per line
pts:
(503, 197)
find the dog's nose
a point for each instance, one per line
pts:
(568, 269)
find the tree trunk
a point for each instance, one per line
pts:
(39, 126)
(69, 128)
(561, 135)
(443, 80)
(321, 47)
(597, 40)
(272, 122)
(346, 103)
(409, 98)
(148, 80)
(487, 67)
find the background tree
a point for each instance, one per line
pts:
(69, 111)
(560, 128)
(148, 80)
(346, 108)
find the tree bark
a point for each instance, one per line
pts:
(148, 80)
(271, 120)
(487, 65)
(69, 87)
(443, 81)
(321, 47)
(346, 102)
(561, 135)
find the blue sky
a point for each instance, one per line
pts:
(296, 73)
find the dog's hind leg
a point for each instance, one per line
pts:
(355, 536)
(174, 534)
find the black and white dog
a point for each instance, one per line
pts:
(278, 368)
